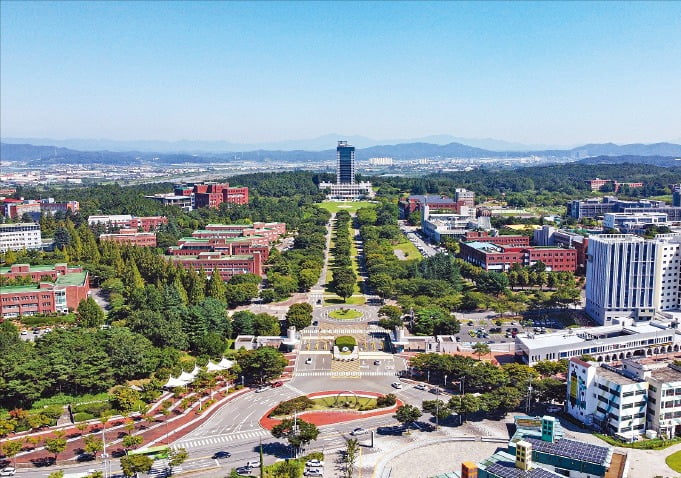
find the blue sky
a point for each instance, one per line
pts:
(537, 72)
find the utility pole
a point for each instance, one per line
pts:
(529, 396)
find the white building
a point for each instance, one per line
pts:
(606, 399)
(381, 161)
(629, 276)
(15, 237)
(110, 220)
(634, 221)
(606, 344)
(438, 226)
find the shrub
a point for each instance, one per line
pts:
(297, 404)
(94, 408)
(386, 400)
(346, 341)
(82, 416)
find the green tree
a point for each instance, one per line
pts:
(299, 315)
(215, 288)
(89, 314)
(351, 454)
(125, 399)
(178, 456)
(492, 283)
(392, 312)
(480, 349)
(437, 408)
(10, 449)
(407, 415)
(262, 364)
(56, 444)
(465, 404)
(298, 433)
(266, 324)
(92, 445)
(132, 441)
(133, 464)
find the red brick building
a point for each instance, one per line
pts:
(493, 257)
(597, 184)
(482, 236)
(191, 246)
(226, 265)
(213, 194)
(132, 237)
(45, 298)
(126, 221)
(38, 273)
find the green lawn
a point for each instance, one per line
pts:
(333, 299)
(350, 206)
(674, 461)
(408, 249)
(345, 314)
(666, 198)
(330, 403)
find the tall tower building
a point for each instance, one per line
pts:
(345, 169)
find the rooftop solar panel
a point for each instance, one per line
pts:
(571, 449)
(509, 471)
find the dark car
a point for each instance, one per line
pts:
(244, 471)
(221, 454)
(394, 430)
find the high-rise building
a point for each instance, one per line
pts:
(345, 163)
(345, 188)
(628, 276)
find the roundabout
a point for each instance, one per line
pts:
(345, 314)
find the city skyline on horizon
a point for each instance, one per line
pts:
(538, 74)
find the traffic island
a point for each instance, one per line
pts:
(328, 407)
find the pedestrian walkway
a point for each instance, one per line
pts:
(219, 439)
(370, 329)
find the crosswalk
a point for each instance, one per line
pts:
(345, 331)
(327, 373)
(218, 439)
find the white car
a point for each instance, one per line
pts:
(397, 385)
(421, 386)
(252, 464)
(359, 431)
(313, 472)
(308, 361)
(8, 471)
(314, 463)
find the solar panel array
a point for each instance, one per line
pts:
(571, 449)
(510, 471)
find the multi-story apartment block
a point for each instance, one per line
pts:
(62, 296)
(126, 221)
(604, 398)
(15, 237)
(131, 237)
(629, 276)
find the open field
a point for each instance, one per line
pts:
(350, 206)
(409, 250)
(333, 299)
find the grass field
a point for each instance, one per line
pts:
(674, 461)
(333, 299)
(408, 249)
(330, 403)
(666, 198)
(350, 206)
(345, 314)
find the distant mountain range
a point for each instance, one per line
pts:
(34, 155)
(315, 144)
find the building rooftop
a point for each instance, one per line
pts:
(615, 377)
(484, 246)
(666, 374)
(38, 268)
(502, 465)
(72, 278)
(576, 450)
(19, 288)
(211, 255)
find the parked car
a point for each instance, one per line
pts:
(24, 332)
(394, 430)
(243, 471)
(313, 472)
(397, 385)
(221, 454)
(253, 464)
(421, 386)
(314, 463)
(554, 408)
(8, 471)
(377, 362)
(359, 431)
(308, 361)
(435, 390)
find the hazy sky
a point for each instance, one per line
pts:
(539, 72)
